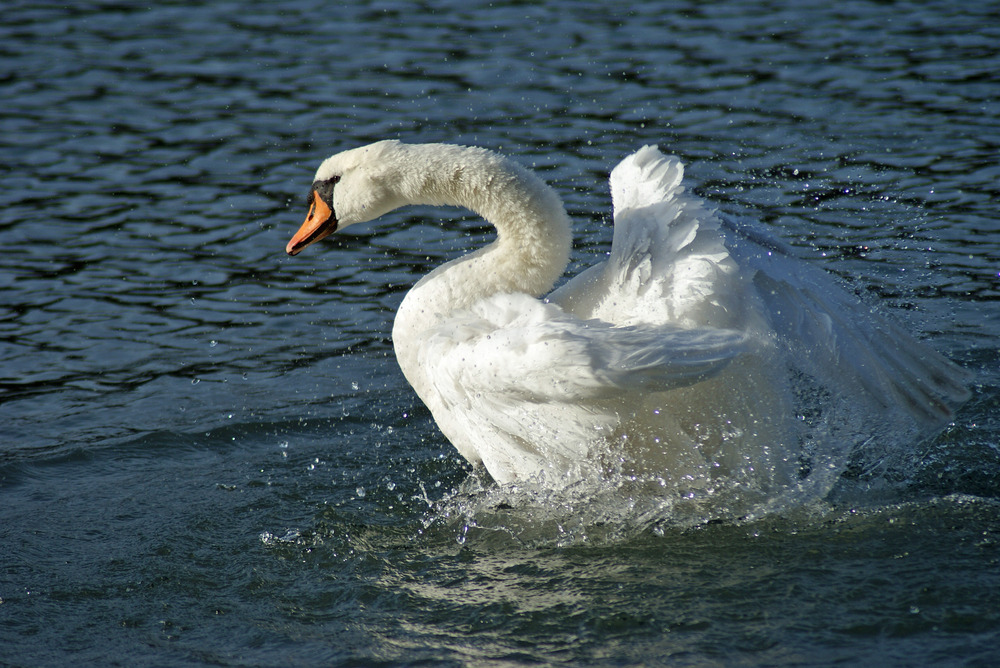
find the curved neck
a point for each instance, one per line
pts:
(533, 231)
(533, 234)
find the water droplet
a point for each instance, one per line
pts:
(360, 491)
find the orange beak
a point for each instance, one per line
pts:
(319, 223)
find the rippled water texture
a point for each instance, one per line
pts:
(209, 455)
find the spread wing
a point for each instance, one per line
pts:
(674, 261)
(668, 262)
(830, 334)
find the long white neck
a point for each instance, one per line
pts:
(533, 232)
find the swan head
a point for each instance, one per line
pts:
(350, 187)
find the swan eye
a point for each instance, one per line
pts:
(324, 189)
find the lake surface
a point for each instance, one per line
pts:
(209, 455)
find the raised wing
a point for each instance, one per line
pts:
(675, 262)
(668, 262)
(830, 334)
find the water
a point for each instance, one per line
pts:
(209, 455)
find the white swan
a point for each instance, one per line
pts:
(699, 349)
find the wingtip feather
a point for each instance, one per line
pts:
(645, 177)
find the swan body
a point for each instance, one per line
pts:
(699, 349)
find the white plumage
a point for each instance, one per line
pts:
(698, 350)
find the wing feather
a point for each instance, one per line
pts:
(832, 335)
(535, 351)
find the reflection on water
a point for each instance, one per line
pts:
(156, 349)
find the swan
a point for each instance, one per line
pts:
(699, 349)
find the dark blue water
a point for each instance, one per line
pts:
(208, 453)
